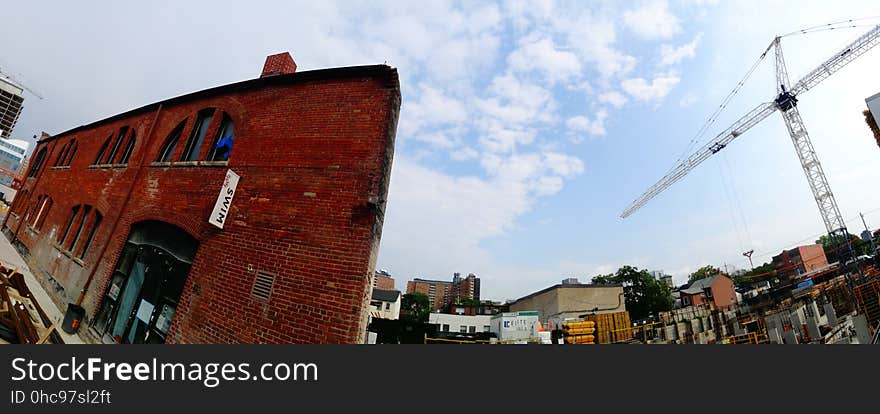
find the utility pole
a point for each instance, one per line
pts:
(870, 235)
(749, 255)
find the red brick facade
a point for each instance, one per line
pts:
(384, 282)
(314, 152)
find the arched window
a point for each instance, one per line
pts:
(221, 147)
(103, 149)
(61, 155)
(38, 162)
(18, 202)
(171, 143)
(30, 210)
(63, 236)
(65, 156)
(80, 230)
(111, 157)
(129, 147)
(94, 229)
(197, 136)
(70, 153)
(41, 210)
(156, 245)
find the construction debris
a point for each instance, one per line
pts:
(22, 321)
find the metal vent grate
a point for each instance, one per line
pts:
(262, 289)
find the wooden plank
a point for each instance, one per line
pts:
(45, 336)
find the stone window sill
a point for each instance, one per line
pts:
(184, 164)
(107, 166)
(60, 167)
(68, 254)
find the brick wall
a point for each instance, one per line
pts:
(314, 152)
(384, 282)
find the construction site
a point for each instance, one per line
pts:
(836, 301)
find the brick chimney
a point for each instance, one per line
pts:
(279, 64)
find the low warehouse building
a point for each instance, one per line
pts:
(244, 213)
(571, 300)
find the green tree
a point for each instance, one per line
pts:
(467, 302)
(644, 294)
(835, 247)
(415, 307)
(761, 272)
(704, 272)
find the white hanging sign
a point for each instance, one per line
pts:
(224, 200)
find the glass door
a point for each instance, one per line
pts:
(142, 296)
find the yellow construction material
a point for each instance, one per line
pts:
(611, 327)
(580, 339)
(578, 325)
(581, 331)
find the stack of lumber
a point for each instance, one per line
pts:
(22, 321)
(579, 332)
(868, 301)
(611, 327)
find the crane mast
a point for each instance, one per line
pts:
(786, 102)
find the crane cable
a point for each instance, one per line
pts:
(736, 198)
(844, 24)
(714, 116)
(730, 212)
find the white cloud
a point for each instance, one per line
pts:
(541, 54)
(432, 108)
(653, 90)
(613, 98)
(589, 34)
(564, 165)
(511, 114)
(670, 55)
(464, 153)
(593, 38)
(453, 214)
(595, 126)
(516, 101)
(688, 99)
(652, 20)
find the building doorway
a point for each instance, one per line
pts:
(144, 290)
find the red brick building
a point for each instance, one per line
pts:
(383, 281)
(799, 261)
(442, 293)
(716, 292)
(115, 214)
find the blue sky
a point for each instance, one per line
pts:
(526, 127)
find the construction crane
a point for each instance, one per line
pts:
(16, 82)
(785, 102)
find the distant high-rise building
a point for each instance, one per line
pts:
(441, 293)
(11, 100)
(12, 156)
(383, 280)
